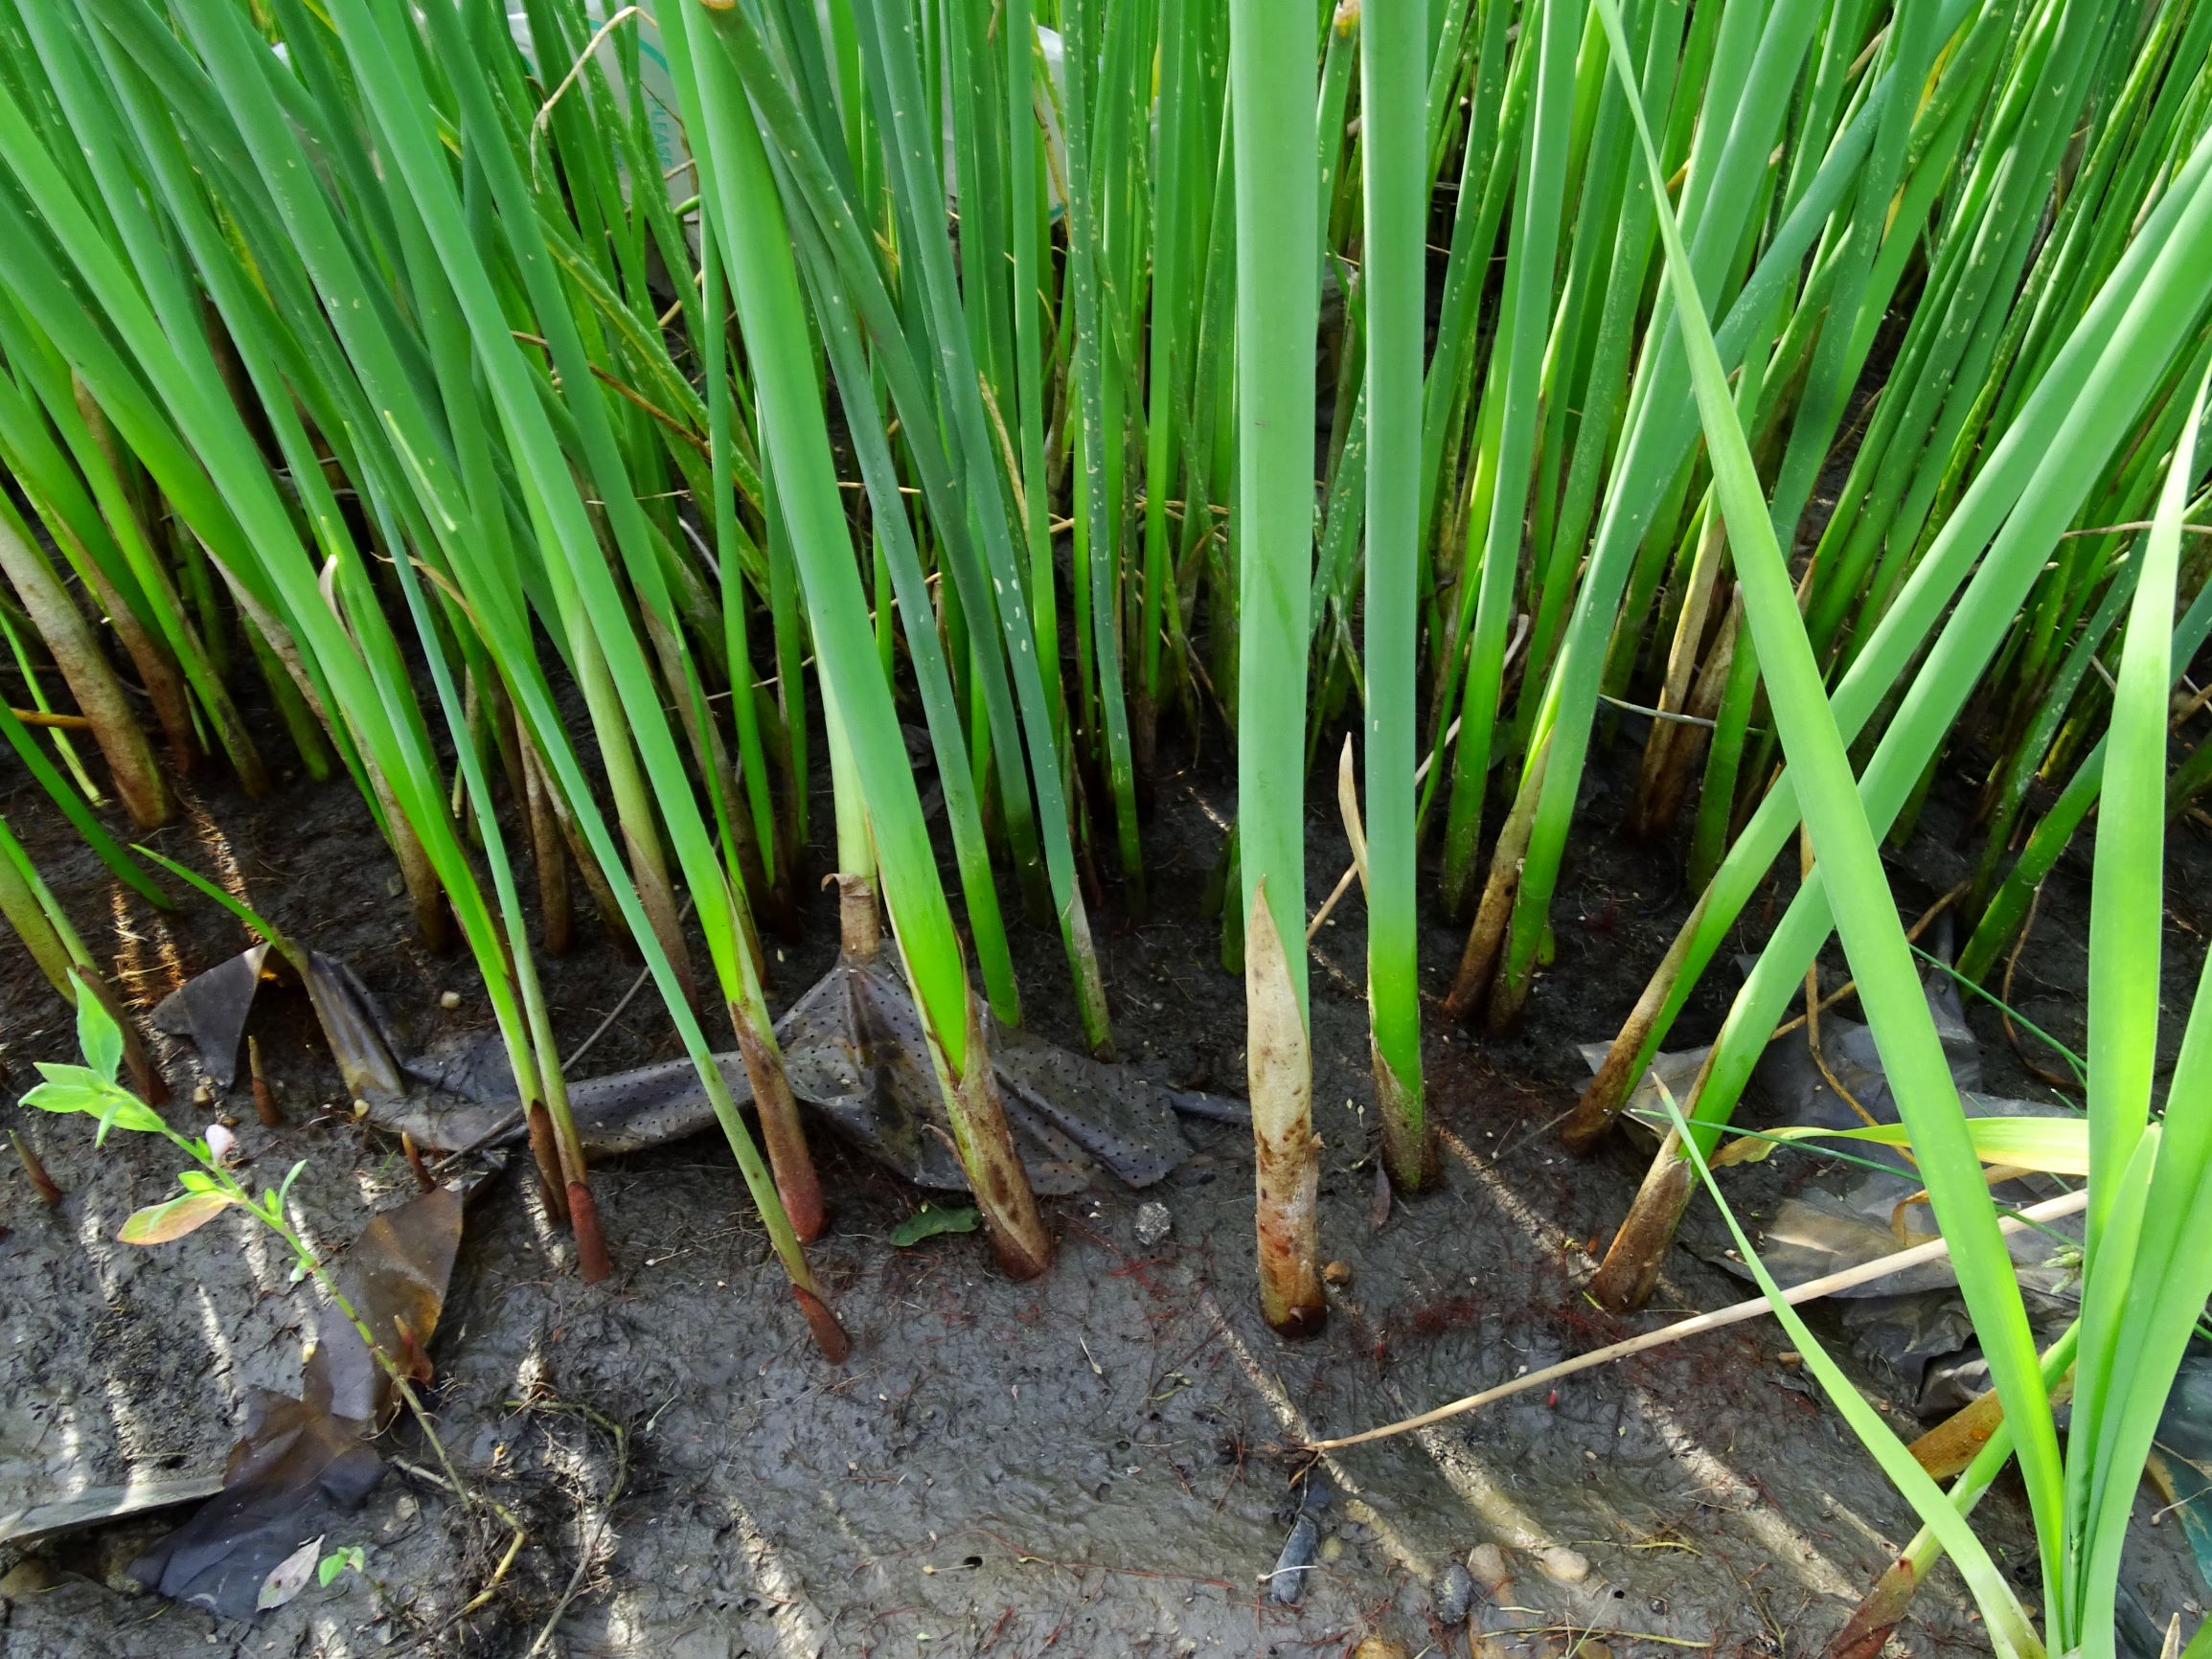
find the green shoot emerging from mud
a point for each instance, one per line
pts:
(211, 1188)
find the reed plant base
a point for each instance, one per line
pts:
(1631, 1269)
(1409, 1143)
(546, 1156)
(829, 1335)
(988, 1159)
(1287, 1153)
(782, 1135)
(1607, 1091)
(592, 1261)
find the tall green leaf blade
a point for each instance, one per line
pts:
(2137, 1315)
(1391, 69)
(1866, 915)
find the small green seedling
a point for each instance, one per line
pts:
(209, 1190)
(350, 1558)
(290, 1575)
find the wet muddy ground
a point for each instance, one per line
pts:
(1097, 1462)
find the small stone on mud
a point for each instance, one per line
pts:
(1567, 1566)
(1453, 1594)
(1337, 1273)
(1332, 1549)
(29, 1577)
(1487, 1563)
(1379, 1648)
(450, 1000)
(1153, 1224)
(1287, 1582)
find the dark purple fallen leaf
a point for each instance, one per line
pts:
(294, 1475)
(304, 1463)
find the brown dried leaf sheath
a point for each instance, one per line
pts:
(1287, 1152)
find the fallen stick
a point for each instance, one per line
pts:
(1812, 1290)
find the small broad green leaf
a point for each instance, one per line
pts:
(70, 1088)
(930, 1221)
(63, 1072)
(68, 1097)
(290, 1576)
(351, 1557)
(160, 1223)
(98, 1035)
(197, 1181)
(2052, 1145)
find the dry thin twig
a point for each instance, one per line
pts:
(1865, 1273)
(591, 1544)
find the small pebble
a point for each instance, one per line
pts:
(1337, 1273)
(1487, 1563)
(450, 1000)
(1153, 1224)
(1791, 1357)
(1332, 1549)
(1287, 1582)
(1567, 1566)
(29, 1577)
(1379, 1648)
(203, 1093)
(1454, 1594)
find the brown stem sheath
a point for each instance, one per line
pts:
(591, 1258)
(265, 1106)
(1486, 938)
(859, 921)
(49, 1193)
(1606, 1093)
(546, 1153)
(829, 1335)
(1286, 1153)
(1409, 1145)
(796, 1183)
(986, 1154)
(1631, 1264)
